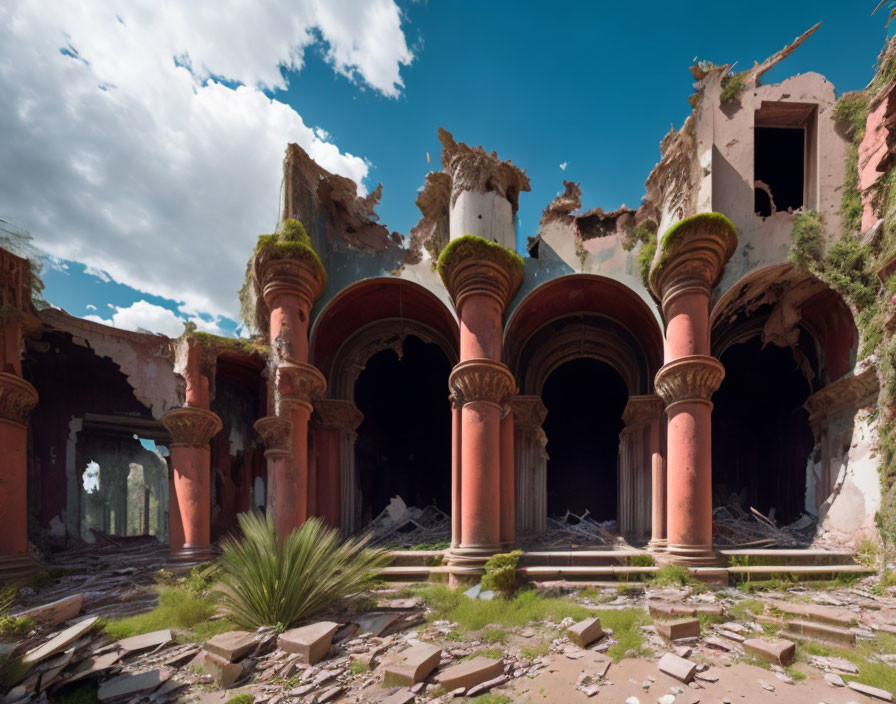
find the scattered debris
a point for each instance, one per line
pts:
(735, 528)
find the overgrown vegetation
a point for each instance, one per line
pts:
(676, 576)
(12, 627)
(645, 235)
(673, 239)
(872, 671)
(733, 85)
(471, 246)
(500, 573)
(272, 582)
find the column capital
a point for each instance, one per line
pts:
(299, 381)
(474, 266)
(641, 410)
(474, 169)
(482, 380)
(276, 434)
(692, 378)
(17, 398)
(337, 414)
(529, 412)
(191, 426)
(303, 276)
(692, 255)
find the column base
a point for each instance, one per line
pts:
(658, 545)
(18, 568)
(193, 555)
(693, 555)
(467, 562)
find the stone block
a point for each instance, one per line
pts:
(470, 673)
(873, 692)
(821, 631)
(60, 641)
(224, 671)
(145, 641)
(402, 696)
(780, 652)
(679, 668)
(232, 645)
(311, 643)
(585, 632)
(412, 666)
(682, 628)
(55, 612)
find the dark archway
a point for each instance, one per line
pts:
(585, 399)
(404, 443)
(761, 439)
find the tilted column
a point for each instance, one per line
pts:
(336, 485)
(530, 461)
(639, 441)
(191, 429)
(689, 263)
(291, 279)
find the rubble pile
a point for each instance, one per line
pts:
(572, 531)
(403, 526)
(735, 528)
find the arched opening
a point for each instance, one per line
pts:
(761, 437)
(585, 399)
(403, 446)
(783, 337)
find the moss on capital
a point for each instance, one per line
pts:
(218, 344)
(473, 246)
(292, 242)
(677, 235)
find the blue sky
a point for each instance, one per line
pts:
(592, 85)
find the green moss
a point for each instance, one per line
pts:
(13, 628)
(581, 252)
(471, 246)
(643, 233)
(641, 561)
(491, 698)
(500, 572)
(243, 698)
(676, 576)
(672, 241)
(357, 667)
(485, 653)
(851, 113)
(807, 241)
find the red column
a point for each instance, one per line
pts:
(481, 284)
(658, 504)
(335, 418)
(275, 433)
(290, 286)
(456, 449)
(508, 480)
(191, 429)
(689, 265)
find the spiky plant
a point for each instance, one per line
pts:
(271, 582)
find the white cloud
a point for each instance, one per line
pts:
(90, 306)
(145, 316)
(146, 170)
(564, 165)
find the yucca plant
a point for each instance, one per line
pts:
(271, 582)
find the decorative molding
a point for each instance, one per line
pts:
(191, 426)
(482, 275)
(529, 412)
(276, 434)
(17, 398)
(692, 378)
(842, 397)
(336, 414)
(298, 277)
(482, 380)
(642, 410)
(692, 258)
(300, 381)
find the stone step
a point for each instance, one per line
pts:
(574, 558)
(411, 573)
(815, 612)
(820, 631)
(808, 556)
(409, 558)
(807, 572)
(585, 572)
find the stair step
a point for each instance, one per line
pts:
(593, 558)
(415, 557)
(542, 572)
(821, 631)
(808, 556)
(814, 612)
(799, 570)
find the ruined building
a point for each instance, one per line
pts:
(726, 343)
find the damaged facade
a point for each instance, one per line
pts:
(644, 365)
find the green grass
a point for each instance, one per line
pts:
(241, 699)
(80, 693)
(676, 576)
(178, 608)
(493, 635)
(525, 607)
(530, 652)
(626, 624)
(874, 674)
(357, 667)
(746, 610)
(492, 699)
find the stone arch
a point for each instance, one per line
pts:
(789, 344)
(562, 324)
(375, 323)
